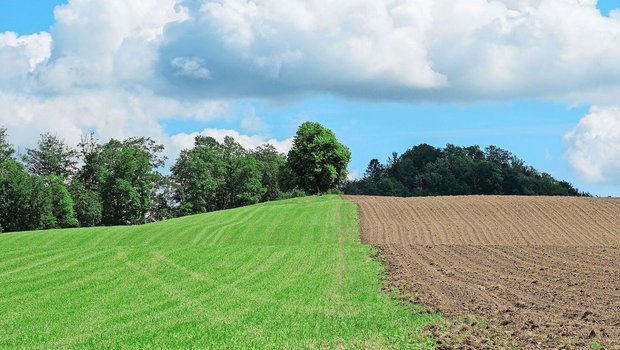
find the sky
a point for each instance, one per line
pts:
(539, 78)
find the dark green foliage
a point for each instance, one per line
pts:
(294, 193)
(270, 164)
(93, 168)
(117, 181)
(15, 197)
(6, 150)
(428, 171)
(41, 213)
(214, 176)
(317, 161)
(127, 179)
(198, 173)
(61, 203)
(32, 202)
(51, 157)
(87, 204)
(241, 183)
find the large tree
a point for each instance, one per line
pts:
(213, 176)
(270, 165)
(198, 173)
(51, 157)
(128, 179)
(318, 162)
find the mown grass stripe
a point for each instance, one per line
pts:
(288, 274)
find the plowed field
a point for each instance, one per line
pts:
(535, 272)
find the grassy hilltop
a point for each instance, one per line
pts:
(288, 274)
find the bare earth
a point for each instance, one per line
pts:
(522, 272)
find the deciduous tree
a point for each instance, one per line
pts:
(318, 162)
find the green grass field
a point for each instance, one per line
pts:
(289, 274)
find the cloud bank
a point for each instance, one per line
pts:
(120, 67)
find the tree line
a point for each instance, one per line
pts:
(424, 170)
(120, 183)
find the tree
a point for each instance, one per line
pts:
(129, 180)
(6, 150)
(243, 182)
(61, 203)
(214, 176)
(86, 204)
(424, 170)
(51, 157)
(412, 163)
(270, 165)
(93, 163)
(318, 162)
(374, 171)
(15, 196)
(487, 178)
(198, 173)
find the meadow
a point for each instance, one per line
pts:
(285, 274)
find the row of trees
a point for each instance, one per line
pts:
(425, 170)
(119, 182)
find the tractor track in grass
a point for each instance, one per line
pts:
(515, 272)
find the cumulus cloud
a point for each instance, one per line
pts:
(186, 141)
(34, 48)
(593, 146)
(20, 56)
(401, 50)
(380, 49)
(105, 42)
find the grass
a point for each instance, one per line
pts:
(289, 274)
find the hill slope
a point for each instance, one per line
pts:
(542, 270)
(288, 274)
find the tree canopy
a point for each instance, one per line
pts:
(318, 161)
(424, 170)
(51, 157)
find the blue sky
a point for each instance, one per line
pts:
(374, 112)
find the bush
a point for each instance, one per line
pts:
(295, 193)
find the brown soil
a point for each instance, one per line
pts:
(511, 272)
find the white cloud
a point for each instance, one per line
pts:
(186, 141)
(403, 50)
(593, 146)
(103, 42)
(20, 56)
(374, 49)
(34, 48)
(111, 113)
